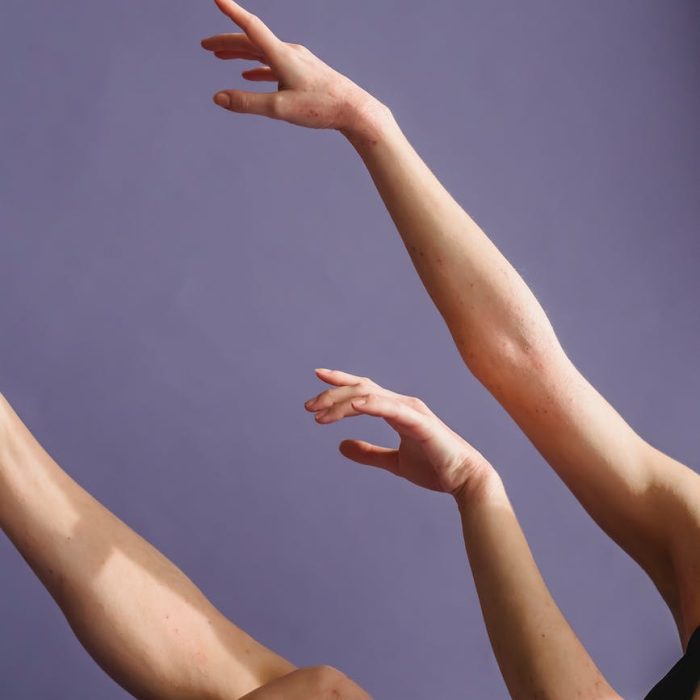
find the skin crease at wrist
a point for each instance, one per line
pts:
(483, 482)
(367, 119)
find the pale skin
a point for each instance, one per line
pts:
(151, 629)
(155, 633)
(645, 500)
(141, 618)
(538, 653)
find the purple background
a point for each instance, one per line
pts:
(172, 273)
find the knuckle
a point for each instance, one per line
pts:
(238, 102)
(276, 107)
(325, 397)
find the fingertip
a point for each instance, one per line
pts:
(222, 99)
(345, 447)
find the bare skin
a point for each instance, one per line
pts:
(155, 633)
(537, 651)
(140, 618)
(645, 500)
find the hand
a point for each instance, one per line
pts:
(310, 93)
(430, 454)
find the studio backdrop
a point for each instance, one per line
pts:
(171, 273)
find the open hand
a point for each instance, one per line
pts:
(430, 454)
(310, 93)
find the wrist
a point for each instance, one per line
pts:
(483, 482)
(366, 121)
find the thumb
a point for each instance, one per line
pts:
(263, 103)
(371, 455)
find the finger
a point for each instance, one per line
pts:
(400, 416)
(263, 103)
(327, 398)
(338, 378)
(372, 455)
(260, 74)
(338, 411)
(253, 26)
(229, 42)
(232, 55)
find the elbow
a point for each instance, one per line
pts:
(504, 358)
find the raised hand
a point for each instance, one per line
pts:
(430, 454)
(310, 93)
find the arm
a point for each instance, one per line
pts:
(506, 339)
(646, 501)
(537, 651)
(141, 618)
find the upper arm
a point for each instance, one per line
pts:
(677, 494)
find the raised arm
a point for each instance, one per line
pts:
(646, 501)
(141, 618)
(537, 651)
(137, 614)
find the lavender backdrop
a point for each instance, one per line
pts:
(171, 274)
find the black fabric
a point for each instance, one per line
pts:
(682, 680)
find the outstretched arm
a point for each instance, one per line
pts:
(141, 618)
(136, 613)
(646, 501)
(537, 651)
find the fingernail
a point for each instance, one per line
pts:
(321, 414)
(309, 403)
(360, 402)
(222, 99)
(323, 369)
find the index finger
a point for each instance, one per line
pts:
(252, 25)
(338, 378)
(401, 417)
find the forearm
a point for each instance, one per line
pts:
(137, 614)
(487, 306)
(537, 651)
